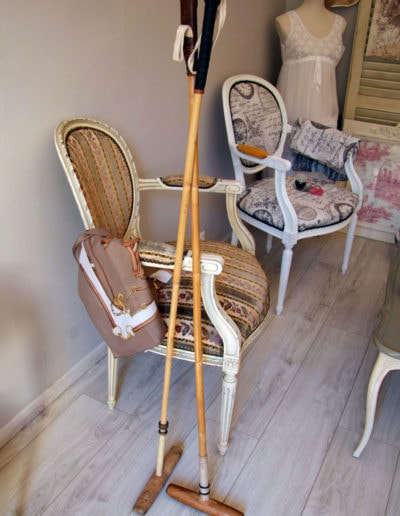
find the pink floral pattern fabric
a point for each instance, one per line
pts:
(378, 165)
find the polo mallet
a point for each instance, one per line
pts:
(166, 463)
(199, 500)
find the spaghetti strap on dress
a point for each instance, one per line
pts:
(307, 80)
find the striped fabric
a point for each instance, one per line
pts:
(242, 289)
(177, 180)
(104, 178)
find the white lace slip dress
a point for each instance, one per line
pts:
(307, 80)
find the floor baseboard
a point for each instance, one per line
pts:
(10, 429)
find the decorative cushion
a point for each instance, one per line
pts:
(242, 289)
(302, 163)
(313, 211)
(324, 144)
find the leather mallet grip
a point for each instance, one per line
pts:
(210, 13)
(189, 17)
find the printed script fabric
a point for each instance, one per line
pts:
(334, 205)
(328, 146)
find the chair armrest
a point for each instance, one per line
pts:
(261, 157)
(281, 166)
(230, 187)
(157, 254)
(206, 184)
(354, 179)
(162, 256)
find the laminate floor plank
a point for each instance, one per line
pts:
(50, 413)
(345, 485)
(387, 417)
(299, 412)
(363, 291)
(394, 499)
(353, 416)
(134, 385)
(295, 442)
(303, 258)
(110, 482)
(267, 371)
(43, 470)
(222, 472)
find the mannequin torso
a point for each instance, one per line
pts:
(311, 45)
(316, 18)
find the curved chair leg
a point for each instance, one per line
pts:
(229, 383)
(349, 243)
(268, 245)
(286, 263)
(234, 239)
(112, 364)
(384, 363)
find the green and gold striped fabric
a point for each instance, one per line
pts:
(104, 177)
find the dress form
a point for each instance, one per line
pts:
(311, 45)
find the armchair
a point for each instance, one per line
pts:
(235, 292)
(257, 129)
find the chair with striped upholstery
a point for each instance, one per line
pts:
(235, 292)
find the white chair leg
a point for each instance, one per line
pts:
(112, 364)
(229, 383)
(234, 239)
(384, 363)
(284, 277)
(268, 246)
(349, 243)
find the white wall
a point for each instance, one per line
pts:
(110, 60)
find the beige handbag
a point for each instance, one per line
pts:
(116, 293)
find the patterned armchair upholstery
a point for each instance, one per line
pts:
(257, 132)
(235, 291)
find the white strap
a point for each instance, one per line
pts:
(94, 280)
(124, 322)
(182, 31)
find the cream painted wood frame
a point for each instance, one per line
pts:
(211, 266)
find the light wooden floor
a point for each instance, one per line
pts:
(298, 416)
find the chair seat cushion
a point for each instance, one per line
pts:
(242, 290)
(313, 211)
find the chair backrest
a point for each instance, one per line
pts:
(254, 115)
(102, 175)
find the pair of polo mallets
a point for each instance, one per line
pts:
(200, 500)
